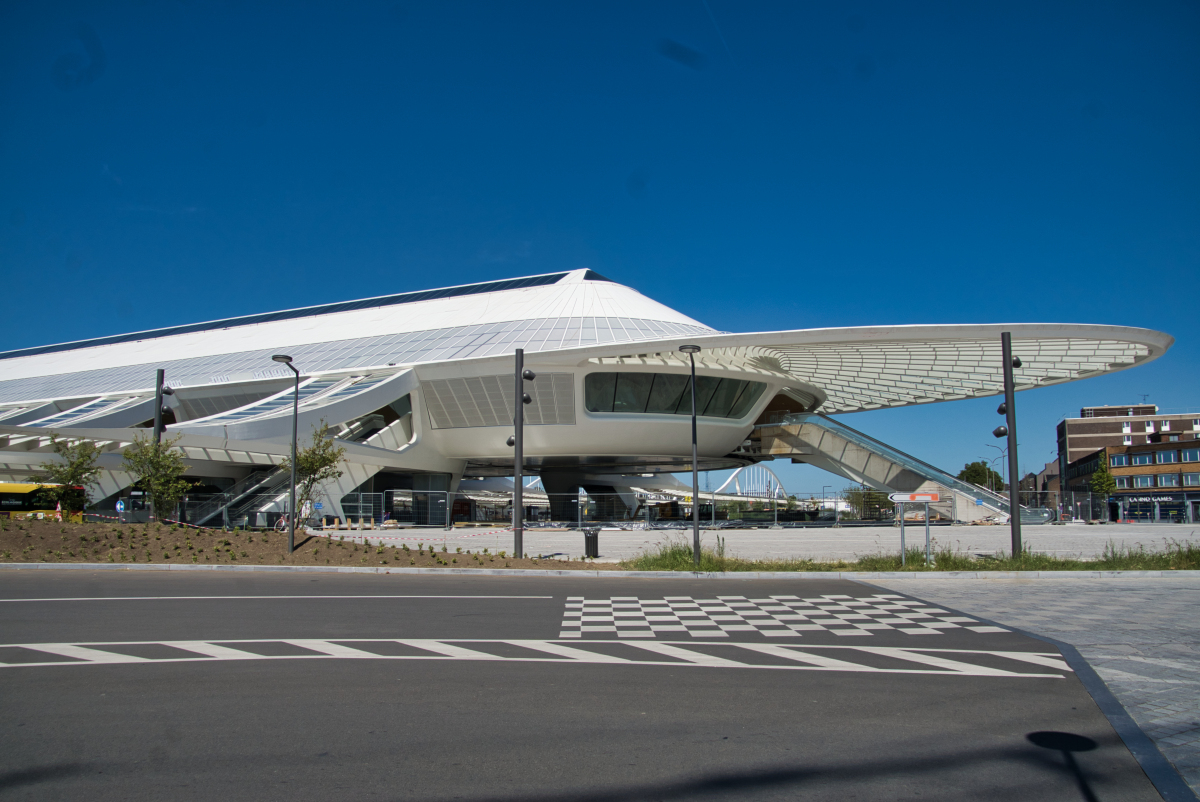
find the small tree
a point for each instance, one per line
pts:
(316, 464)
(67, 482)
(158, 469)
(1102, 482)
(979, 473)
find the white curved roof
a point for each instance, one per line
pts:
(874, 367)
(554, 311)
(576, 314)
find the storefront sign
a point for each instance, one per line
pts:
(1150, 499)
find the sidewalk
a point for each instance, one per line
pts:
(1142, 636)
(842, 543)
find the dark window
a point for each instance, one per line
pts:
(633, 392)
(598, 390)
(724, 396)
(666, 393)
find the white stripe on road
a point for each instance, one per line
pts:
(210, 650)
(817, 660)
(695, 658)
(84, 653)
(570, 652)
(205, 598)
(807, 659)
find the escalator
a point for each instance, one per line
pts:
(821, 441)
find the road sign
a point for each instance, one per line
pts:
(928, 498)
(120, 506)
(978, 502)
(319, 505)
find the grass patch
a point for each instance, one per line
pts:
(676, 555)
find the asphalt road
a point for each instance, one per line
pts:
(297, 687)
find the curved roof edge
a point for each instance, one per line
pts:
(876, 367)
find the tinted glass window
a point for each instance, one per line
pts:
(750, 394)
(1118, 461)
(1166, 456)
(667, 393)
(1191, 479)
(1168, 480)
(1142, 459)
(724, 396)
(633, 392)
(1143, 481)
(598, 389)
(1191, 455)
(705, 387)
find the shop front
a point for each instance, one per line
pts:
(1159, 507)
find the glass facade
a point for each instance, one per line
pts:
(669, 394)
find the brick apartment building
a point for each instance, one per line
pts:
(1151, 456)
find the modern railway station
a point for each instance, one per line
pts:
(417, 387)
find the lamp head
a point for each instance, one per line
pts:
(287, 360)
(689, 349)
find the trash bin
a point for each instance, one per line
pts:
(591, 542)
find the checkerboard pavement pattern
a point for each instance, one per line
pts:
(773, 617)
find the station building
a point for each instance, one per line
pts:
(418, 387)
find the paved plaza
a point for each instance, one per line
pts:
(842, 543)
(1141, 636)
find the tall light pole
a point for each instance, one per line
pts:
(1009, 410)
(517, 442)
(691, 351)
(287, 360)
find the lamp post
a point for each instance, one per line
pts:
(287, 360)
(517, 442)
(830, 487)
(691, 351)
(1009, 410)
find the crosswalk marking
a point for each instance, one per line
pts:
(211, 650)
(83, 653)
(914, 660)
(818, 660)
(782, 617)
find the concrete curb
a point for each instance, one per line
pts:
(855, 575)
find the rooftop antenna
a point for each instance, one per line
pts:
(1144, 397)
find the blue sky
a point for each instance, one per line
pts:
(755, 165)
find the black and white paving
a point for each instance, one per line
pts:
(149, 685)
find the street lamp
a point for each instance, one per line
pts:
(691, 351)
(287, 360)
